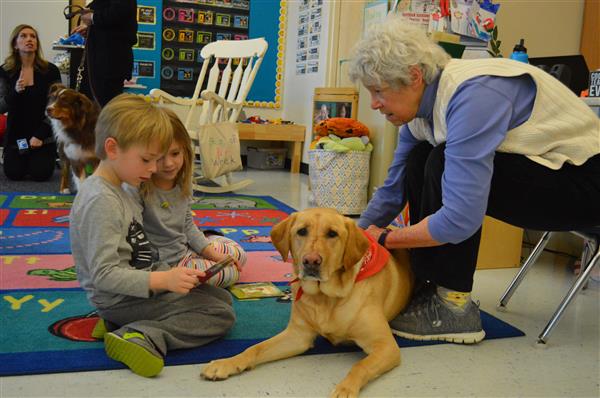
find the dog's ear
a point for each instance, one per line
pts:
(280, 236)
(55, 88)
(84, 109)
(356, 244)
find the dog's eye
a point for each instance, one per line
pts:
(302, 232)
(332, 234)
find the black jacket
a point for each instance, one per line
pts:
(27, 109)
(110, 39)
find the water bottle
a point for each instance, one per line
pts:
(520, 52)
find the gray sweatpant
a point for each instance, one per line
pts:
(172, 321)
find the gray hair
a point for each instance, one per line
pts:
(388, 51)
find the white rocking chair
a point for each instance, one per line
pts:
(222, 99)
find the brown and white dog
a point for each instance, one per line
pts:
(347, 288)
(73, 117)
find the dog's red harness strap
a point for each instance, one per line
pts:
(372, 262)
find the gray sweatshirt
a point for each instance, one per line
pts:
(113, 257)
(169, 224)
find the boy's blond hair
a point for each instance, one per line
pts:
(131, 120)
(184, 177)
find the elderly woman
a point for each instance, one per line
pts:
(25, 78)
(493, 136)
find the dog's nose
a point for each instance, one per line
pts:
(312, 259)
(311, 263)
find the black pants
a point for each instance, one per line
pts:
(38, 163)
(106, 89)
(523, 193)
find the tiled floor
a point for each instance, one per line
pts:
(568, 366)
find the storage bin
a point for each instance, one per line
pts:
(340, 180)
(266, 158)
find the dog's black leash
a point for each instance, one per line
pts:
(72, 11)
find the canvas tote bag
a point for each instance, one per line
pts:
(219, 149)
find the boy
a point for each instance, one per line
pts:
(155, 307)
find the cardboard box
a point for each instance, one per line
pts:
(500, 245)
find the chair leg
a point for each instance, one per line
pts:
(579, 282)
(590, 246)
(537, 250)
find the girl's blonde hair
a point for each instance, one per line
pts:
(132, 120)
(12, 63)
(185, 175)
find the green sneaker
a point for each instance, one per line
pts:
(134, 350)
(102, 327)
(99, 329)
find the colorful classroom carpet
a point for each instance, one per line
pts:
(46, 319)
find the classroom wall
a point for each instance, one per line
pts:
(298, 90)
(549, 27)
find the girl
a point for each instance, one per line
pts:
(168, 219)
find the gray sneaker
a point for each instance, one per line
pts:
(134, 350)
(428, 318)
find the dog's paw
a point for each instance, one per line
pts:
(65, 191)
(220, 369)
(344, 391)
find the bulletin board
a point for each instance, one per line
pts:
(171, 34)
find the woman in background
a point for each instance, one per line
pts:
(25, 78)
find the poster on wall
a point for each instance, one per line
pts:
(172, 33)
(146, 52)
(145, 41)
(375, 13)
(189, 26)
(309, 36)
(146, 15)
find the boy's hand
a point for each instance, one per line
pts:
(176, 280)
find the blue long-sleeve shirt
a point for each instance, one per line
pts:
(478, 117)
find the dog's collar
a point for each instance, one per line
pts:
(371, 263)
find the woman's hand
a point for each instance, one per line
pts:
(35, 142)
(20, 86)
(375, 231)
(87, 17)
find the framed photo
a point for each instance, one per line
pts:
(334, 102)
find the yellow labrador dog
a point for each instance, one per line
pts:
(347, 289)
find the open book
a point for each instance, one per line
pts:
(244, 291)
